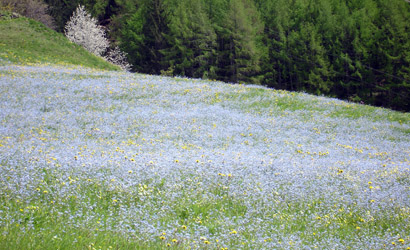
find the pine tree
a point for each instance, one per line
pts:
(275, 15)
(239, 54)
(143, 36)
(192, 41)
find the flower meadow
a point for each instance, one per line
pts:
(94, 159)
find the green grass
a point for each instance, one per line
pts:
(25, 41)
(197, 207)
(262, 99)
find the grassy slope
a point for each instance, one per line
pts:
(140, 162)
(26, 41)
(217, 148)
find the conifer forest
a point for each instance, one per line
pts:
(357, 50)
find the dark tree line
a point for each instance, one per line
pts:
(351, 49)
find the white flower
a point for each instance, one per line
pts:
(83, 30)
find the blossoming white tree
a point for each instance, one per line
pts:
(84, 30)
(118, 57)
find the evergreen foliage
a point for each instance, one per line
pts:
(143, 36)
(357, 50)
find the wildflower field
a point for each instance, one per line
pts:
(94, 159)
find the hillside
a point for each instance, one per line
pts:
(96, 159)
(129, 161)
(25, 41)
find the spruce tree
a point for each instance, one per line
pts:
(143, 36)
(239, 51)
(192, 41)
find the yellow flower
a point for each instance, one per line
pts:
(130, 171)
(162, 237)
(401, 241)
(183, 227)
(207, 242)
(174, 240)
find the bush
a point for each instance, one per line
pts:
(84, 30)
(34, 9)
(118, 57)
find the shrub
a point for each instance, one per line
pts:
(118, 57)
(35, 9)
(84, 30)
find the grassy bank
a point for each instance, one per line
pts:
(25, 41)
